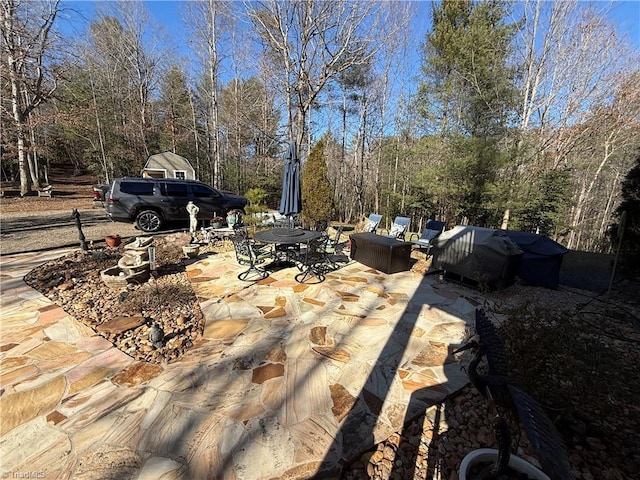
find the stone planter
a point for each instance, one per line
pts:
(191, 251)
(491, 455)
(140, 244)
(115, 278)
(113, 240)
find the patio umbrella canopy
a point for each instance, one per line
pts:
(291, 201)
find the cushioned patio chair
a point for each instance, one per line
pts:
(432, 229)
(252, 254)
(371, 224)
(399, 228)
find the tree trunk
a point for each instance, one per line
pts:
(505, 219)
(214, 143)
(34, 167)
(584, 197)
(103, 156)
(195, 134)
(25, 187)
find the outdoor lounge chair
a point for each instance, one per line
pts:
(399, 228)
(371, 224)
(251, 254)
(432, 229)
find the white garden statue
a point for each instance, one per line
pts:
(193, 210)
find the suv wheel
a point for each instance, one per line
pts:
(148, 221)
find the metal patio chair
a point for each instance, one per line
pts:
(432, 229)
(252, 254)
(313, 262)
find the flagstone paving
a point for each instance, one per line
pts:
(289, 380)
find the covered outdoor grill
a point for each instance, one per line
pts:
(484, 255)
(541, 260)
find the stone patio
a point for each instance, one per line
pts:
(289, 381)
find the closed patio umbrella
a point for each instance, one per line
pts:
(291, 201)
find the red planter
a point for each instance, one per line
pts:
(113, 240)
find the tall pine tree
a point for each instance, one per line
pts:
(467, 96)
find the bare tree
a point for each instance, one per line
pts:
(311, 42)
(207, 20)
(26, 43)
(605, 154)
(124, 59)
(571, 59)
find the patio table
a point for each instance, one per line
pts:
(287, 242)
(286, 236)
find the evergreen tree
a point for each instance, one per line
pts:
(317, 193)
(467, 96)
(544, 204)
(630, 247)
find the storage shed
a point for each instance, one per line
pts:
(484, 255)
(541, 260)
(168, 165)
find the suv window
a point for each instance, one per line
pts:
(176, 189)
(137, 188)
(203, 191)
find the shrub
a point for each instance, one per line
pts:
(317, 193)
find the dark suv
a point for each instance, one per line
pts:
(151, 202)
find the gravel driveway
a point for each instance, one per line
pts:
(29, 231)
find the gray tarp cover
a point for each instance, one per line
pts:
(482, 254)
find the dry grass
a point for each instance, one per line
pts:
(68, 193)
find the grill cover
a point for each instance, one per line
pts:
(485, 255)
(542, 258)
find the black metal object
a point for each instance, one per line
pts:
(314, 262)
(286, 236)
(83, 243)
(502, 391)
(251, 255)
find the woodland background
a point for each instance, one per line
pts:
(522, 115)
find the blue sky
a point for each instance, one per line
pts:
(626, 13)
(627, 16)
